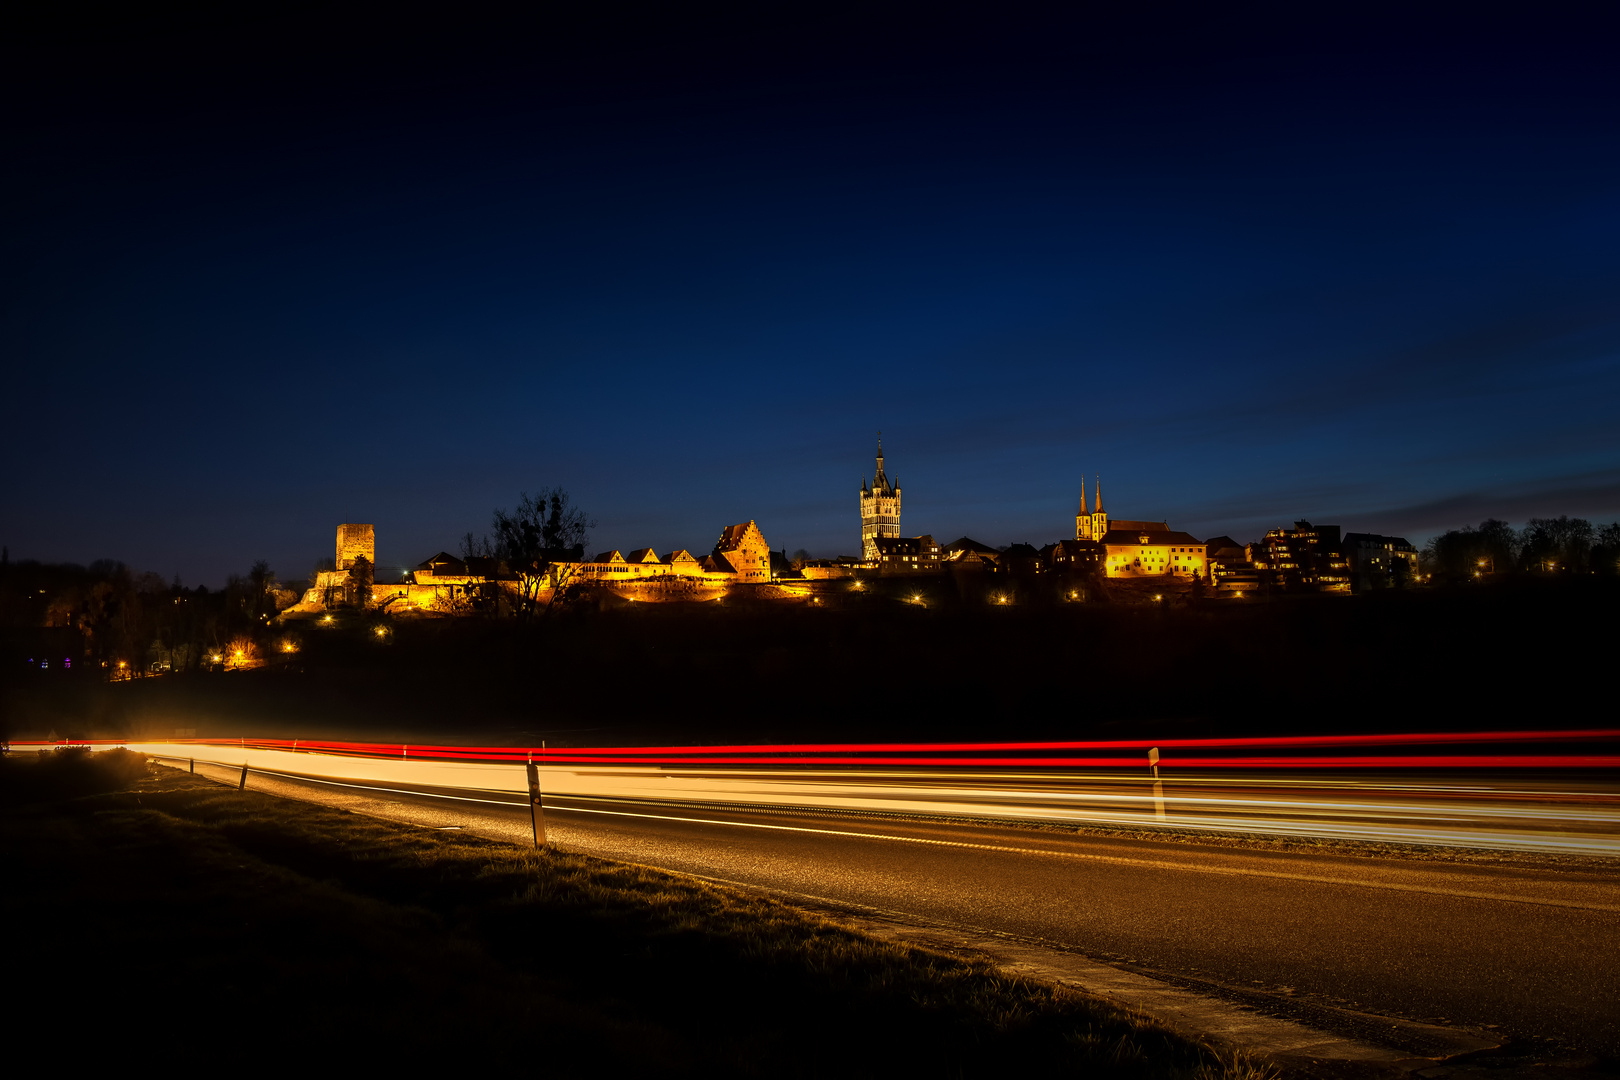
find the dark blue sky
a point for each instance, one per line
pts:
(266, 276)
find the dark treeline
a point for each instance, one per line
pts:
(874, 669)
(1544, 545)
(104, 615)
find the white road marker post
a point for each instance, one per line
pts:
(1158, 785)
(241, 785)
(537, 816)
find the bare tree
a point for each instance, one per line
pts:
(544, 529)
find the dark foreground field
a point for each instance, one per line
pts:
(874, 667)
(149, 911)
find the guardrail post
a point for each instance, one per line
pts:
(1158, 785)
(241, 784)
(193, 764)
(537, 816)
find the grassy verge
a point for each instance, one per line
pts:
(221, 926)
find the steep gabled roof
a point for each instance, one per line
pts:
(679, 555)
(609, 557)
(443, 563)
(966, 544)
(642, 555)
(716, 564)
(733, 536)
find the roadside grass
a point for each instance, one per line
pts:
(66, 773)
(214, 925)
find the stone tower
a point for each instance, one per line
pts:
(355, 540)
(880, 508)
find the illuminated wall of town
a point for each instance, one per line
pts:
(1308, 557)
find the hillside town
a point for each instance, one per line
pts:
(1108, 557)
(120, 625)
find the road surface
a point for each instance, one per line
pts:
(1339, 939)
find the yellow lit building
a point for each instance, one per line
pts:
(740, 556)
(1141, 548)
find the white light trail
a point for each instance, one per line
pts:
(1573, 817)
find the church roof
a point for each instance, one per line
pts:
(1138, 526)
(1117, 537)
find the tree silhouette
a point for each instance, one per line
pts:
(360, 577)
(545, 529)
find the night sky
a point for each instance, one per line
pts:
(267, 274)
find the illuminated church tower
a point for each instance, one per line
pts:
(880, 508)
(1092, 524)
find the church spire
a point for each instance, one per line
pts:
(880, 508)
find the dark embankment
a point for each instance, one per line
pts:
(1520, 654)
(184, 922)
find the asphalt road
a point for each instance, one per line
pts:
(1521, 943)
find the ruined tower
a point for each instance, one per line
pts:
(353, 540)
(880, 508)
